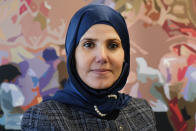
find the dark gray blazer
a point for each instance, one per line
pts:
(55, 116)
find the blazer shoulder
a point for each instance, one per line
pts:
(139, 110)
(139, 103)
(42, 115)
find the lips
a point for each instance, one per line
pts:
(101, 71)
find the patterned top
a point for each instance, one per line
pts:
(55, 116)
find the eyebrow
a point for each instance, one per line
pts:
(95, 39)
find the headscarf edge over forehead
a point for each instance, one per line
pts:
(79, 24)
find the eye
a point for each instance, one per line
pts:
(88, 44)
(113, 45)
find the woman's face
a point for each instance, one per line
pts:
(99, 56)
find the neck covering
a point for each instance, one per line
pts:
(76, 92)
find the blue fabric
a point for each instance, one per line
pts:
(76, 92)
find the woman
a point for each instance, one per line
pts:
(98, 61)
(11, 98)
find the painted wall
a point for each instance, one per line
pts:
(163, 50)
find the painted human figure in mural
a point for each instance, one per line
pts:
(28, 82)
(11, 97)
(48, 82)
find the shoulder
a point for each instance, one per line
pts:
(140, 112)
(141, 106)
(139, 103)
(46, 115)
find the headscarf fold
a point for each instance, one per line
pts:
(76, 92)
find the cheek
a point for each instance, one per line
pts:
(120, 64)
(119, 59)
(117, 63)
(82, 62)
(79, 63)
(80, 67)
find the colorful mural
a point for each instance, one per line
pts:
(163, 52)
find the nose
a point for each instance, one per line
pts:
(101, 55)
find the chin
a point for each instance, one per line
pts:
(99, 84)
(100, 87)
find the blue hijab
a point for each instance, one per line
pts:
(76, 92)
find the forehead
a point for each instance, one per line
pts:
(101, 31)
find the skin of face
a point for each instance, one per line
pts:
(99, 56)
